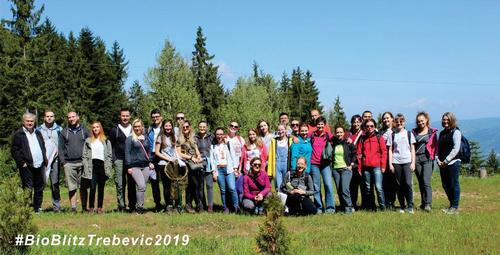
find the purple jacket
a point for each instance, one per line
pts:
(255, 184)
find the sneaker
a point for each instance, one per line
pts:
(401, 211)
(411, 211)
(139, 210)
(170, 208)
(427, 208)
(319, 211)
(445, 210)
(452, 210)
(210, 209)
(226, 210)
(158, 208)
(330, 211)
(189, 209)
(73, 209)
(38, 210)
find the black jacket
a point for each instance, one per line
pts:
(20, 149)
(117, 139)
(349, 151)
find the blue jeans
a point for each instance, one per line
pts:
(451, 185)
(227, 182)
(342, 178)
(281, 168)
(372, 176)
(316, 173)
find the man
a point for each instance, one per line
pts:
(312, 124)
(50, 132)
(28, 150)
(204, 140)
(70, 145)
(152, 134)
(180, 118)
(367, 115)
(284, 120)
(117, 137)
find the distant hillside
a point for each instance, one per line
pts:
(486, 131)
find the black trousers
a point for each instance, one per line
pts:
(32, 179)
(300, 205)
(155, 186)
(195, 188)
(98, 182)
(166, 184)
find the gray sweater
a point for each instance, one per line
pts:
(303, 182)
(71, 142)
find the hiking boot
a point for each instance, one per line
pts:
(452, 210)
(427, 208)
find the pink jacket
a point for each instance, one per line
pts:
(244, 158)
(432, 144)
(255, 184)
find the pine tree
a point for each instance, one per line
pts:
(337, 116)
(476, 160)
(206, 79)
(138, 101)
(492, 161)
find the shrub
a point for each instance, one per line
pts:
(273, 238)
(15, 215)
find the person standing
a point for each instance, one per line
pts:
(356, 181)
(138, 161)
(28, 151)
(371, 152)
(50, 132)
(152, 134)
(389, 183)
(425, 150)
(117, 137)
(279, 156)
(165, 151)
(343, 158)
(203, 140)
(301, 148)
(402, 162)
(315, 115)
(97, 157)
(71, 142)
(450, 139)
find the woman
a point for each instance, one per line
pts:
(138, 161)
(299, 187)
(371, 152)
(450, 139)
(264, 133)
(343, 158)
(165, 151)
(354, 135)
(256, 187)
(402, 162)
(253, 148)
(295, 126)
(301, 148)
(222, 162)
(187, 150)
(279, 155)
(97, 157)
(389, 180)
(320, 167)
(425, 150)
(235, 142)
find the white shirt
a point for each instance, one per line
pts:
(401, 151)
(35, 149)
(97, 149)
(126, 130)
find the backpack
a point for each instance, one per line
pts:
(464, 153)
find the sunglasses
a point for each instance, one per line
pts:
(185, 127)
(295, 125)
(257, 165)
(370, 126)
(234, 126)
(180, 118)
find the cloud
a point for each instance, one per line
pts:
(419, 103)
(225, 70)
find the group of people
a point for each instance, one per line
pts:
(297, 160)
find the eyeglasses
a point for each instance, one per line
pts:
(155, 117)
(234, 126)
(180, 118)
(257, 165)
(370, 126)
(185, 127)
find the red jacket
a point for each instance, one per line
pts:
(371, 151)
(251, 183)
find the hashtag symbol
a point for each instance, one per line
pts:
(19, 240)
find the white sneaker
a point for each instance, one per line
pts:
(401, 211)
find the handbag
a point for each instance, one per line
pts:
(194, 166)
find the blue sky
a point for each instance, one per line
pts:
(369, 53)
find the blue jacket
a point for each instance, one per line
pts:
(301, 149)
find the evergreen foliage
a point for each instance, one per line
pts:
(337, 116)
(492, 162)
(273, 237)
(476, 160)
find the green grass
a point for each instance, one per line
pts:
(474, 231)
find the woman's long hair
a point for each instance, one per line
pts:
(101, 136)
(164, 135)
(258, 141)
(182, 138)
(135, 137)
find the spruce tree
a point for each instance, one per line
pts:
(337, 116)
(492, 161)
(476, 160)
(206, 79)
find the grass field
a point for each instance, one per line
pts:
(474, 231)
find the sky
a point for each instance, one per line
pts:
(398, 56)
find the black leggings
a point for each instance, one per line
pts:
(300, 205)
(98, 181)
